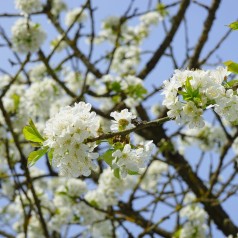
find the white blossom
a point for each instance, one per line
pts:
(61, 44)
(38, 72)
(76, 187)
(66, 133)
(195, 225)
(28, 6)
(57, 7)
(73, 14)
(231, 236)
(39, 96)
(207, 138)
(151, 18)
(130, 159)
(123, 120)
(157, 109)
(125, 59)
(74, 81)
(188, 93)
(27, 36)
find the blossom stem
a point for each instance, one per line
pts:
(141, 126)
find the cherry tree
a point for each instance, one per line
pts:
(96, 141)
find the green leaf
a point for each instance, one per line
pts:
(116, 99)
(188, 86)
(50, 155)
(234, 123)
(116, 173)
(31, 123)
(116, 86)
(197, 100)
(36, 155)
(54, 42)
(183, 93)
(36, 144)
(234, 25)
(37, 25)
(141, 91)
(107, 157)
(62, 193)
(137, 91)
(32, 134)
(93, 203)
(16, 100)
(118, 146)
(196, 93)
(161, 9)
(232, 83)
(130, 172)
(232, 66)
(186, 96)
(177, 233)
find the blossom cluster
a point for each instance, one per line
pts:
(39, 100)
(129, 88)
(27, 36)
(208, 138)
(133, 34)
(57, 6)
(62, 204)
(61, 44)
(109, 189)
(127, 158)
(127, 54)
(131, 159)
(66, 133)
(195, 225)
(188, 93)
(28, 6)
(39, 95)
(77, 14)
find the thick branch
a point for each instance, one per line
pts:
(177, 19)
(214, 209)
(5, 234)
(204, 36)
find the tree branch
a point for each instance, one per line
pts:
(204, 36)
(177, 19)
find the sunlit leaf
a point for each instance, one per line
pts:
(232, 66)
(234, 25)
(50, 155)
(107, 157)
(116, 173)
(36, 155)
(130, 172)
(32, 134)
(232, 83)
